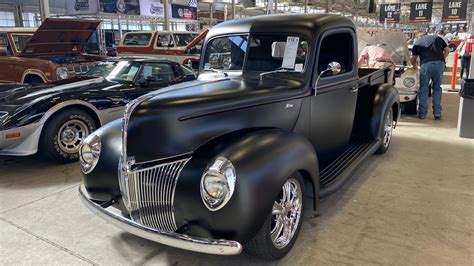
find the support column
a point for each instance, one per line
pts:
(305, 6)
(44, 9)
(211, 13)
(232, 10)
(166, 6)
(471, 29)
(276, 6)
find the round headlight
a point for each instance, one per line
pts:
(408, 82)
(62, 73)
(218, 184)
(89, 153)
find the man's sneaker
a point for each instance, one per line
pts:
(420, 116)
(437, 117)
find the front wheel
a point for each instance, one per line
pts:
(281, 228)
(387, 131)
(63, 134)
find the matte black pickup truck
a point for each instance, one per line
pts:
(279, 117)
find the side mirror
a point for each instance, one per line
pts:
(335, 67)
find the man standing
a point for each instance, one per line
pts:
(432, 51)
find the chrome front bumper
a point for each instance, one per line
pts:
(203, 245)
(25, 144)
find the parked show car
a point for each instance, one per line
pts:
(54, 118)
(52, 52)
(407, 80)
(183, 47)
(234, 159)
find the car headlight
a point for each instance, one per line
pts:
(89, 153)
(218, 184)
(62, 73)
(408, 82)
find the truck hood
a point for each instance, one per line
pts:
(181, 118)
(60, 37)
(199, 38)
(393, 41)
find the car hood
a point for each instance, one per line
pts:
(60, 37)
(179, 119)
(392, 40)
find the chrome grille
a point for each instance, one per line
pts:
(151, 194)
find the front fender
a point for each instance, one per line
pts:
(385, 97)
(102, 183)
(264, 160)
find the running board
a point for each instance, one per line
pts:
(333, 176)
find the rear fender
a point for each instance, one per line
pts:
(386, 96)
(263, 161)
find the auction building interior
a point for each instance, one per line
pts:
(413, 205)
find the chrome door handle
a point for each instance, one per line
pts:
(354, 89)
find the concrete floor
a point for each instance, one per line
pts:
(413, 205)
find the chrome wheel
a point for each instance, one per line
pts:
(286, 214)
(71, 134)
(388, 128)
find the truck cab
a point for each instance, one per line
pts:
(278, 118)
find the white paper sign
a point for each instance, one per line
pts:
(291, 49)
(81, 7)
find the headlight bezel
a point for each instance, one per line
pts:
(62, 73)
(221, 172)
(409, 79)
(89, 153)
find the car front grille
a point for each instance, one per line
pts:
(150, 193)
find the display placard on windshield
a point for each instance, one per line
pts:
(291, 48)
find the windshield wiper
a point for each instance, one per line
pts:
(282, 70)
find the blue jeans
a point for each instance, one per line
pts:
(430, 71)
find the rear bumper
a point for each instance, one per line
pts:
(203, 245)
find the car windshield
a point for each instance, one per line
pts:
(21, 40)
(260, 52)
(183, 39)
(124, 71)
(102, 69)
(137, 39)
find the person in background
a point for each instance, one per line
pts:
(432, 51)
(465, 52)
(440, 34)
(375, 56)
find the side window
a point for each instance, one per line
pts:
(338, 47)
(164, 41)
(137, 39)
(160, 72)
(3, 44)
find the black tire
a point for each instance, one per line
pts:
(410, 108)
(51, 145)
(386, 140)
(262, 245)
(33, 80)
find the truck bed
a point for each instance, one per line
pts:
(372, 76)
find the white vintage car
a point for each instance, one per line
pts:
(407, 80)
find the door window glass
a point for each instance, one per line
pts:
(21, 40)
(160, 72)
(338, 47)
(137, 39)
(164, 41)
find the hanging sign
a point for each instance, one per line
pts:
(183, 12)
(81, 7)
(391, 12)
(454, 10)
(152, 8)
(421, 11)
(129, 7)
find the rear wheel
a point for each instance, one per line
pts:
(33, 80)
(386, 135)
(64, 133)
(281, 228)
(410, 107)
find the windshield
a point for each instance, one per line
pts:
(137, 39)
(102, 69)
(183, 39)
(21, 40)
(124, 71)
(266, 52)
